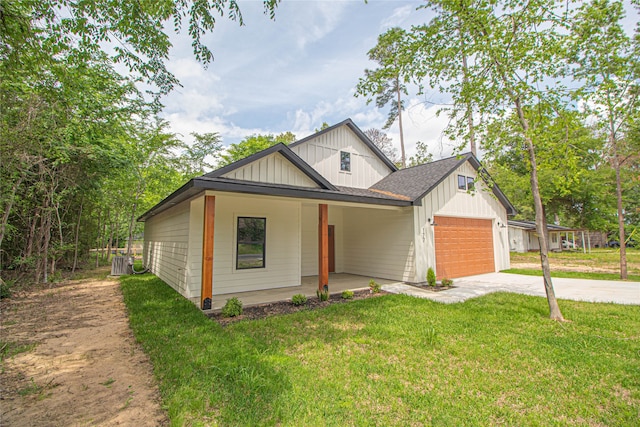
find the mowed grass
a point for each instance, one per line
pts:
(393, 360)
(600, 264)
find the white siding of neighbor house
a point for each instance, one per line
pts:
(166, 238)
(447, 200)
(518, 240)
(273, 169)
(310, 238)
(379, 243)
(323, 154)
(282, 243)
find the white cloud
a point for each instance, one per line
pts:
(398, 16)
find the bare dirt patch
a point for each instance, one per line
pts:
(83, 366)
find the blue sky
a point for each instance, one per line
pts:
(295, 73)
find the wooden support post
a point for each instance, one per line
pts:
(207, 252)
(323, 247)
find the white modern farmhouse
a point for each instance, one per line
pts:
(331, 202)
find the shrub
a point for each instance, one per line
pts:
(323, 295)
(447, 282)
(347, 294)
(232, 308)
(5, 290)
(374, 287)
(299, 299)
(431, 277)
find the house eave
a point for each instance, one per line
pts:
(201, 184)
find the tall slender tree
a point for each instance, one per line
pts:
(387, 82)
(512, 52)
(608, 63)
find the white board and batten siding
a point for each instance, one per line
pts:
(272, 169)
(166, 246)
(282, 257)
(379, 243)
(323, 154)
(447, 200)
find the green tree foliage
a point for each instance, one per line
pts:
(82, 152)
(572, 185)
(253, 144)
(387, 82)
(422, 155)
(607, 61)
(136, 30)
(513, 60)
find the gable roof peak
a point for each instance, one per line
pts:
(359, 133)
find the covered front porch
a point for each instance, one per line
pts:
(338, 282)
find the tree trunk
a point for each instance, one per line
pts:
(7, 208)
(541, 224)
(75, 247)
(623, 243)
(404, 157)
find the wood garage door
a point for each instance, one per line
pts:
(464, 247)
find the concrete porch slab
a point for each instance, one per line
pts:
(338, 282)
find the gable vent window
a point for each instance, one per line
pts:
(466, 183)
(345, 161)
(251, 242)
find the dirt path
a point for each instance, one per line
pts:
(85, 367)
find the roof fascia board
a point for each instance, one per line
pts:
(297, 192)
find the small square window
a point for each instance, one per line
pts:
(470, 183)
(462, 182)
(345, 161)
(250, 242)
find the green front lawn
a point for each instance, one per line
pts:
(393, 360)
(571, 274)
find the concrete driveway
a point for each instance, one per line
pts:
(618, 292)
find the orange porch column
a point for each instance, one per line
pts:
(323, 247)
(207, 252)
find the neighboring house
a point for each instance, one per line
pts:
(524, 238)
(331, 202)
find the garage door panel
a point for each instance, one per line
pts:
(464, 246)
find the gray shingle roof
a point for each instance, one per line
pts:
(415, 182)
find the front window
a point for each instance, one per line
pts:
(345, 161)
(462, 182)
(251, 243)
(470, 183)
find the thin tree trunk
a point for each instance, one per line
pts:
(465, 80)
(75, 246)
(132, 222)
(541, 225)
(45, 246)
(623, 243)
(402, 153)
(7, 209)
(98, 240)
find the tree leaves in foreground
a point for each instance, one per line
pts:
(512, 54)
(135, 31)
(253, 144)
(608, 63)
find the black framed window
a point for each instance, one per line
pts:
(466, 183)
(470, 183)
(462, 182)
(250, 250)
(345, 161)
